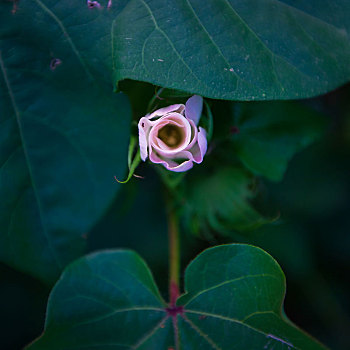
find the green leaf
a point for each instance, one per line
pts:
(63, 138)
(269, 134)
(233, 300)
(226, 49)
(220, 200)
(237, 50)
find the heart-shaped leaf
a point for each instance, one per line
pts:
(267, 134)
(63, 137)
(233, 300)
(226, 49)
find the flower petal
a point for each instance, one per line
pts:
(193, 109)
(179, 108)
(186, 165)
(170, 164)
(194, 134)
(175, 119)
(202, 141)
(200, 148)
(144, 128)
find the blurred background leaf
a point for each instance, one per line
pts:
(267, 135)
(220, 201)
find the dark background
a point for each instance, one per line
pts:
(311, 241)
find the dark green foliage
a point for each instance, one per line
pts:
(64, 132)
(220, 201)
(63, 137)
(233, 300)
(266, 135)
(226, 49)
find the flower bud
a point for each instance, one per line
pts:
(170, 136)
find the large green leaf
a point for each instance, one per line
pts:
(233, 300)
(63, 137)
(268, 134)
(226, 49)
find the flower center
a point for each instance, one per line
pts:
(171, 135)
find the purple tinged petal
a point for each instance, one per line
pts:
(193, 108)
(187, 165)
(165, 110)
(202, 141)
(200, 148)
(144, 128)
(194, 133)
(194, 145)
(170, 164)
(175, 119)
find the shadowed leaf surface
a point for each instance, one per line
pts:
(269, 134)
(220, 200)
(63, 137)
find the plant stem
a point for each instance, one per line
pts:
(174, 255)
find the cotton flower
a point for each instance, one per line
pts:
(170, 136)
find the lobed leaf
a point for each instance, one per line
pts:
(233, 300)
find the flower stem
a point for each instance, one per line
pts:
(174, 255)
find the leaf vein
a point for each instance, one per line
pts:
(233, 320)
(67, 36)
(228, 282)
(149, 334)
(170, 42)
(205, 336)
(271, 53)
(35, 189)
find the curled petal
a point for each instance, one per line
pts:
(179, 108)
(186, 165)
(170, 164)
(194, 134)
(200, 148)
(174, 119)
(193, 109)
(144, 129)
(202, 141)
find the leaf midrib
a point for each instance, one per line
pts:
(30, 170)
(67, 36)
(229, 319)
(228, 282)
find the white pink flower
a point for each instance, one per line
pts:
(170, 136)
